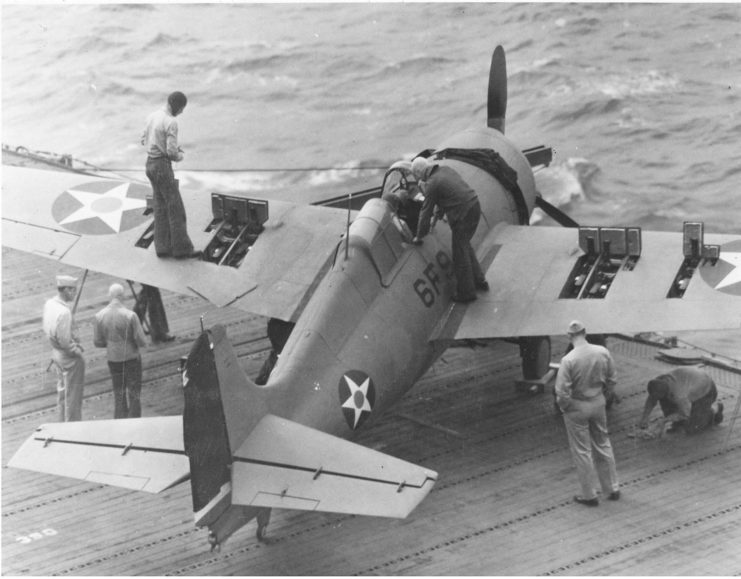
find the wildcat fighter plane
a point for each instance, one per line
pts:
(371, 313)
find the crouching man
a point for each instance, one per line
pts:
(687, 398)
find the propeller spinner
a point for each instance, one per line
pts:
(497, 101)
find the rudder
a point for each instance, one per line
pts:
(221, 408)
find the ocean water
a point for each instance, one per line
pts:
(641, 102)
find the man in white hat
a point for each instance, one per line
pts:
(586, 378)
(119, 330)
(66, 352)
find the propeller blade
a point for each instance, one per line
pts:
(555, 213)
(497, 101)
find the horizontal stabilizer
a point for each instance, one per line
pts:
(144, 454)
(287, 465)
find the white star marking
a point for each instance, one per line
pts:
(734, 276)
(108, 207)
(355, 392)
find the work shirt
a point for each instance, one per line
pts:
(118, 329)
(585, 373)
(445, 188)
(160, 136)
(685, 385)
(59, 326)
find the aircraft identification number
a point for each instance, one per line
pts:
(429, 286)
(35, 536)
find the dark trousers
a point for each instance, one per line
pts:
(127, 386)
(701, 415)
(149, 301)
(170, 231)
(467, 268)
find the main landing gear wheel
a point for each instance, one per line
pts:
(214, 542)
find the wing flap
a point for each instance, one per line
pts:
(532, 265)
(49, 243)
(144, 454)
(288, 465)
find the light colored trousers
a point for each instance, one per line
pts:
(70, 372)
(586, 427)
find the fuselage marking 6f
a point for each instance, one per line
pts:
(428, 287)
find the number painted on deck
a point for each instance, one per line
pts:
(35, 536)
(429, 286)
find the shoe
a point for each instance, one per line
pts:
(676, 426)
(483, 286)
(718, 418)
(164, 254)
(164, 339)
(588, 502)
(463, 299)
(614, 496)
(193, 255)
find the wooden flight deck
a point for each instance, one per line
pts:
(502, 505)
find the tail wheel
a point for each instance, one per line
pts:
(263, 519)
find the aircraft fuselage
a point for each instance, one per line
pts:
(364, 338)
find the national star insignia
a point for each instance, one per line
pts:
(358, 399)
(734, 276)
(109, 207)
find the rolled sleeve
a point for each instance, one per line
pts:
(172, 142)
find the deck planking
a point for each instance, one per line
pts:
(502, 504)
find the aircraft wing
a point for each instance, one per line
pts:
(143, 454)
(532, 272)
(287, 465)
(98, 224)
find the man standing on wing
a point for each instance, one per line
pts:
(161, 140)
(443, 187)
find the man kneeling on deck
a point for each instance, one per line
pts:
(686, 396)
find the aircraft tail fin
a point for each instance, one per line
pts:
(244, 461)
(222, 405)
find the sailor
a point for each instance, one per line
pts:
(66, 352)
(160, 137)
(118, 329)
(585, 379)
(149, 307)
(399, 192)
(686, 396)
(278, 333)
(443, 187)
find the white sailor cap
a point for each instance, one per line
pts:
(576, 327)
(66, 281)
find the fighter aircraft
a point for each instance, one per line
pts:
(370, 313)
